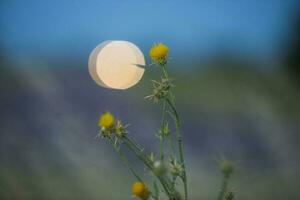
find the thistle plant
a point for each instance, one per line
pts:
(167, 166)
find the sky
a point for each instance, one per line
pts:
(192, 29)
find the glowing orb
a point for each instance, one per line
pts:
(114, 64)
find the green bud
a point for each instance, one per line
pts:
(226, 167)
(165, 131)
(120, 130)
(175, 168)
(152, 157)
(159, 167)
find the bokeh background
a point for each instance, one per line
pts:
(237, 74)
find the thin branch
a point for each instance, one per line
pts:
(126, 162)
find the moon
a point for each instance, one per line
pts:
(114, 64)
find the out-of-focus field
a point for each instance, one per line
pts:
(49, 116)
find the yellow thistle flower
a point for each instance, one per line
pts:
(158, 53)
(140, 190)
(106, 120)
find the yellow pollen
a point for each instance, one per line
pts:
(106, 120)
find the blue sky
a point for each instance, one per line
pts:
(191, 28)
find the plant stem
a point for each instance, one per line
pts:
(156, 191)
(140, 154)
(165, 72)
(178, 134)
(180, 145)
(138, 151)
(223, 188)
(162, 125)
(172, 147)
(125, 161)
(166, 76)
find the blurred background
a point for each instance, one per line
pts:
(236, 66)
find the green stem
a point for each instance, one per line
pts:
(178, 134)
(165, 72)
(138, 151)
(140, 154)
(172, 147)
(180, 145)
(166, 76)
(156, 190)
(223, 188)
(125, 161)
(162, 125)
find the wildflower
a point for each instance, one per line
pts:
(226, 167)
(175, 168)
(120, 129)
(106, 120)
(152, 157)
(159, 53)
(164, 131)
(140, 190)
(160, 89)
(105, 133)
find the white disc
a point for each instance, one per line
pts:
(112, 64)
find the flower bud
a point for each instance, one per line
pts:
(175, 168)
(120, 130)
(226, 167)
(152, 157)
(159, 167)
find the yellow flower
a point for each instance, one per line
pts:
(140, 190)
(106, 120)
(158, 53)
